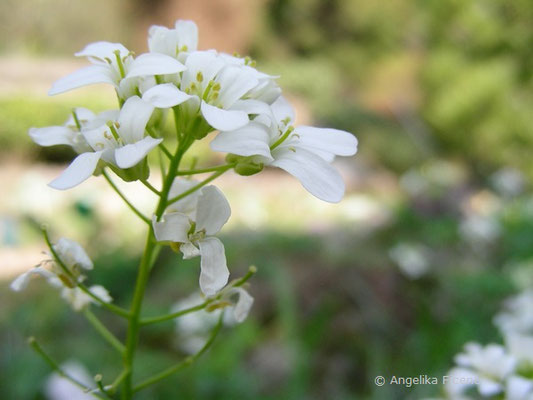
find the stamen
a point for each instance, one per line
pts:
(120, 64)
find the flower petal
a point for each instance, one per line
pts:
(82, 77)
(186, 205)
(78, 171)
(131, 154)
(315, 174)
(223, 120)
(52, 135)
(133, 117)
(234, 83)
(189, 251)
(72, 253)
(165, 96)
(206, 62)
(22, 280)
(213, 210)
(335, 141)
(102, 293)
(250, 106)
(244, 304)
(187, 34)
(251, 139)
(214, 272)
(154, 64)
(282, 109)
(103, 50)
(174, 227)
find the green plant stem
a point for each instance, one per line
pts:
(150, 187)
(111, 307)
(166, 317)
(162, 318)
(198, 186)
(204, 170)
(55, 366)
(132, 336)
(147, 260)
(185, 363)
(103, 331)
(165, 151)
(131, 206)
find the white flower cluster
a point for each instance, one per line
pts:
(498, 371)
(65, 273)
(207, 91)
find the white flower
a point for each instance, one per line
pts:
(517, 316)
(115, 65)
(411, 258)
(240, 305)
(73, 257)
(305, 152)
(120, 142)
(193, 227)
(492, 364)
(176, 42)
(521, 347)
(78, 299)
(68, 134)
(58, 387)
(194, 327)
(518, 388)
(215, 89)
(479, 229)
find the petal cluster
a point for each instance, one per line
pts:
(192, 224)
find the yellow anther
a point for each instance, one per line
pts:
(216, 87)
(199, 76)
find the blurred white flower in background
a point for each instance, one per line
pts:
(517, 316)
(411, 258)
(508, 181)
(490, 364)
(60, 388)
(479, 229)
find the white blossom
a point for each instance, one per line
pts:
(120, 142)
(517, 316)
(303, 151)
(177, 42)
(79, 300)
(194, 227)
(491, 364)
(412, 259)
(71, 254)
(58, 387)
(112, 63)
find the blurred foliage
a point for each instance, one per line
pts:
(61, 27)
(456, 74)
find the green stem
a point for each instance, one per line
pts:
(166, 317)
(165, 151)
(55, 366)
(103, 331)
(132, 336)
(201, 184)
(149, 186)
(188, 361)
(131, 206)
(111, 307)
(209, 169)
(162, 318)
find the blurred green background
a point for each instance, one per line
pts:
(435, 230)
